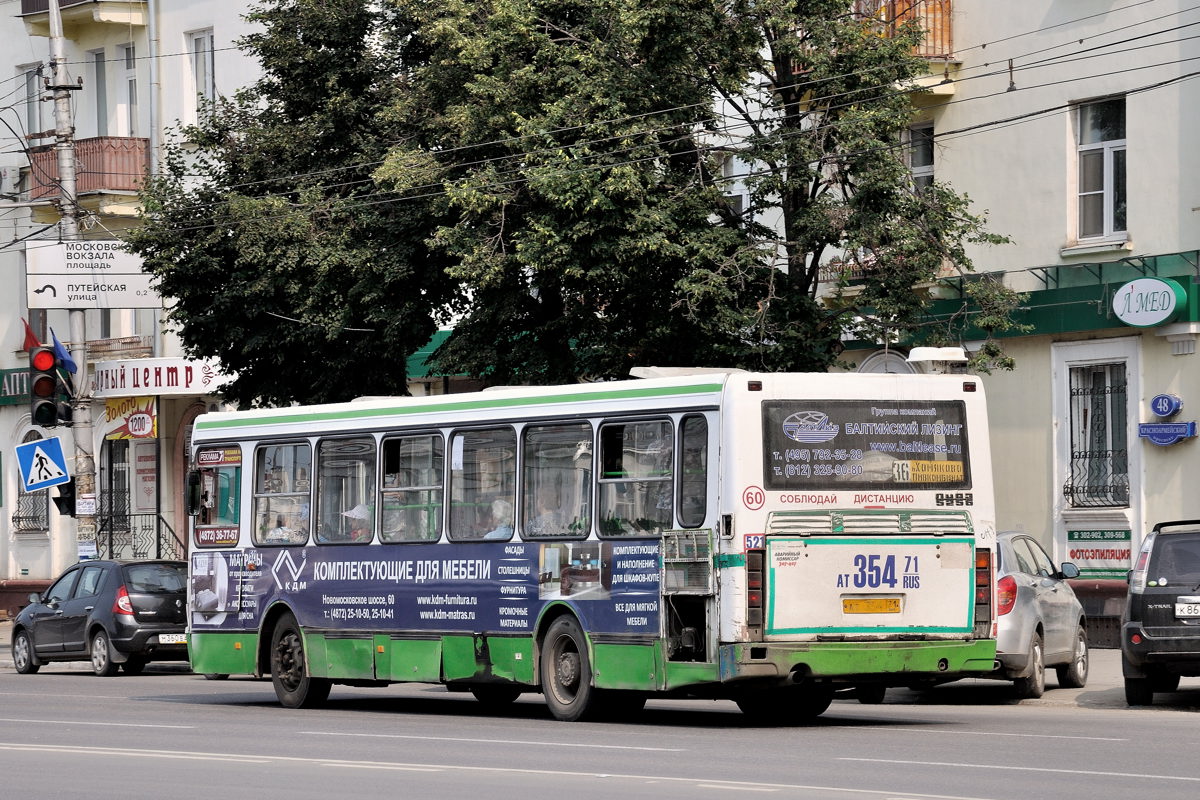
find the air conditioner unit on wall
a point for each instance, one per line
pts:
(10, 180)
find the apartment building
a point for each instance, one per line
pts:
(134, 68)
(1071, 125)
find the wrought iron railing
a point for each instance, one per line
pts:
(137, 536)
(934, 17)
(1099, 479)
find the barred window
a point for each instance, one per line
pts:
(1099, 471)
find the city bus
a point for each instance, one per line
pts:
(771, 539)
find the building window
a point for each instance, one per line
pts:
(100, 91)
(920, 155)
(33, 508)
(1099, 468)
(200, 50)
(32, 75)
(130, 117)
(1102, 169)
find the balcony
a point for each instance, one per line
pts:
(77, 14)
(104, 165)
(932, 15)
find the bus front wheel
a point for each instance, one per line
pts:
(566, 672)
(294, 687)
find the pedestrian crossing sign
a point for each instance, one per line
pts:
(42, 464)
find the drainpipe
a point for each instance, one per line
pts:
(155, 129)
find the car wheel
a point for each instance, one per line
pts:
(1139, 691)
(1075, 674)
(134, 665)
(1034, 684)
(102, 663)
(294, 687)
(22, 653)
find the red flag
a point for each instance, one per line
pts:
(31, 339)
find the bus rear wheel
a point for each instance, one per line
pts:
(294, 687)
(566, 671)
(790, 706)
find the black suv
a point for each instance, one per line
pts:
(1160, 631)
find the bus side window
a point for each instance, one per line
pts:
(636, 481)
(281, 499)
(411, 495)
(693, 471)
(483, 483)
(345, 490)
(556, 481)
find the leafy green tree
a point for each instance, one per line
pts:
(280, 253)
(581, 145)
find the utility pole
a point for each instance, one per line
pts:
(81, 405)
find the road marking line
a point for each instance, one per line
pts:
(105, 724)
(267, 759)
(991, 733)
(495, 741)
(1024, 769)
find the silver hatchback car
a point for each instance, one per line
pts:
(1039, 620)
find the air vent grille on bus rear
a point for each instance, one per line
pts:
(876, 523)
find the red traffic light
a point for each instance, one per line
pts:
(43, 359)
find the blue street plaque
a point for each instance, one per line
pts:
(1164, 433)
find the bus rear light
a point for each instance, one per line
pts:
(754, 588)
(1006, 595)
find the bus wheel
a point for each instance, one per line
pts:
(786, 706)
(496, 696)
(566, 673)
(294, 687)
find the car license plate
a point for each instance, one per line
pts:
(870, 605)
(1187, 609)
(172, 638)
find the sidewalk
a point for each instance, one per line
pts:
(1105, 687)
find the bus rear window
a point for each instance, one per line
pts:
(865, 444)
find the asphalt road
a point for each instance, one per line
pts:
(65, 732)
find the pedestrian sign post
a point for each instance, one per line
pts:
(42, 464)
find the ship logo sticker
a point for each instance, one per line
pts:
(810, 427)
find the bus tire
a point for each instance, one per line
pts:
(294, 687)
(790, 706)
(496, 695)
(566, 671)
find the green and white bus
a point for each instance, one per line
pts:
(766, 538)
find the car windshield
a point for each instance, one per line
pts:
(1176, 558)
(155, 578)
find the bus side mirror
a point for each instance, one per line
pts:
(192, 497)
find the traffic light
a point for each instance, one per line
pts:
(66, 498)
(49, 393)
